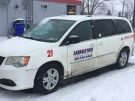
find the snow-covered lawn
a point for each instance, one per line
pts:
(114, 85)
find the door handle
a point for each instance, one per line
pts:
(101, 43)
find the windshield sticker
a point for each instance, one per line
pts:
(50, 53)
(83, 54)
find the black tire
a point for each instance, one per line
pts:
(122, 59)
(48, 85)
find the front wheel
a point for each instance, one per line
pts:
(122, 59)
(48, 78)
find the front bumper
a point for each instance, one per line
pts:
(22, 78)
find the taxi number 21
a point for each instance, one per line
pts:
(50, 53)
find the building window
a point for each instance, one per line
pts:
(71, 10)
(44, 6)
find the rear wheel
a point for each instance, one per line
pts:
(122, 59)
(48, 78)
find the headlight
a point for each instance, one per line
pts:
(18, 61)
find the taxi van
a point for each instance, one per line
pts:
(61, 47)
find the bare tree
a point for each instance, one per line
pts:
(130, 8)
(127, 6)
(102, 9)
(83, 7)
(123, 6)
(112, 6)
(94, 4)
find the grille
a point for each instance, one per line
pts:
(1, 59)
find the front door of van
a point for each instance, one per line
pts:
(107, 42)
(81, 56)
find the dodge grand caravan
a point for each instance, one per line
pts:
(61, 47)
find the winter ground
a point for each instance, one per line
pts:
(106, 85)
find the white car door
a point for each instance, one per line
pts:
(82, 55)
(107, 41)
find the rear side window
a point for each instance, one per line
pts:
(122, 26)
(104, 28)
(83, 30)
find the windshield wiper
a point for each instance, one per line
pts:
(43, 40)
(29, 37)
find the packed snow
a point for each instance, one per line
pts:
(2, 38)
(110, 85)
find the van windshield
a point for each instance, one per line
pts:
(48, 30)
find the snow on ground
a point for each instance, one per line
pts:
(114, 85)
(2, 38)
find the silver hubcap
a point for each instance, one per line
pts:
(50, 79)
(123, 59)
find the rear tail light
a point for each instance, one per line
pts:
(134, 37)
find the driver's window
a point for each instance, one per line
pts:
(83, 30)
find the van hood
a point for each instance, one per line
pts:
(18, 46)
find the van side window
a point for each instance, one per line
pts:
(83, 30)
(122, 26)
(104, 28)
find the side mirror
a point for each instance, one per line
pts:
(73, 39)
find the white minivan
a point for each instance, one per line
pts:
(61, 47)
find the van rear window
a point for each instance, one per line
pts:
(104, 28)
(122, 26)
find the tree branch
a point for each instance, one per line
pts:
(93, 5)
(98, 5)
